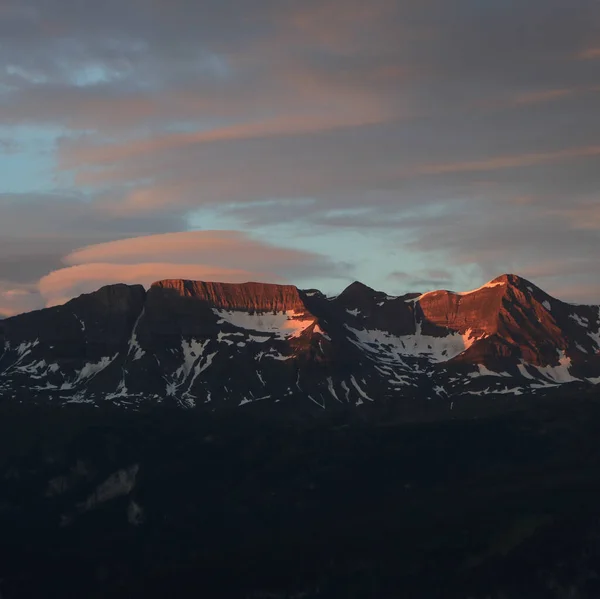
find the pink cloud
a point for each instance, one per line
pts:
(544, 95)
(222, 249)
(61, 285)
(15, 299)
(333, 26)
(227, 256)
(582, 215)
(590, 53)
(312, 105)
(506, 162)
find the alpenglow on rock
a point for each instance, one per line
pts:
(217, 344)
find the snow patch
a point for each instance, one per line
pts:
(595, 337)
(120, 392)
(134, 346)
(278, 356)
(221, 336)
(188, 401)
(484, 371)
(26, 347)
(284, 325)
(81, 323)
(524, 372)
(319, 331)
(331, 388)
(360, 391)
(192, 351)
(32, 368)
(346, 390)
(560, 373)
(507, 391)
(488, 285)
(200, 368)
(47, 387)
(80, 397)
(321, 405)
(391, 348)
(581, 321)
(92, 369)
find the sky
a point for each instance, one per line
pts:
(408, 144)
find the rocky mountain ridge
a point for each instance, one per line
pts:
(200, 343)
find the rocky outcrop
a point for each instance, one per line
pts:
(251, 297)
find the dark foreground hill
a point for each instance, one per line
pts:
(102, 502)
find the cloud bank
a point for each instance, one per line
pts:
(226, 256)
(395, 135)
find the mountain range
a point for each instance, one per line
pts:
(201, 344)
(258, 441)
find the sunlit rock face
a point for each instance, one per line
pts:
(219, 345)
(477, 310)
(514, 317)
(258, 297)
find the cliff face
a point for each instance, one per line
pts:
(195, 342)
(477, 310)
(251, 297)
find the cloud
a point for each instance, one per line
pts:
(220, 249)
(81, 155)
(61, 285)
(546, 95)
(582, 215)
(534, 240)
(38, 229)
(15, 298)
(421, 279)
(8, 146)
(580, 293)
(508, 162)
(590, 53)
(228, 256)
(415, 122)
(424, 280)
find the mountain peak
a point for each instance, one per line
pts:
(357, 291)
(513, 280)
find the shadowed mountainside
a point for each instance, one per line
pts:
(215, 344)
